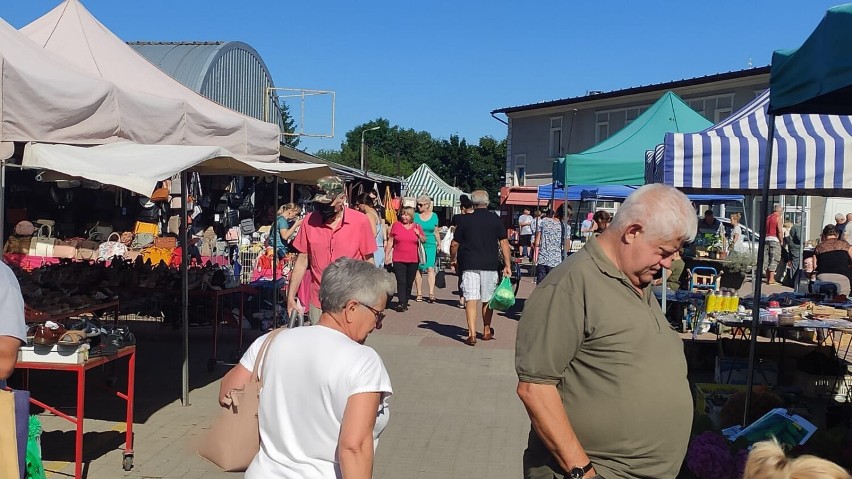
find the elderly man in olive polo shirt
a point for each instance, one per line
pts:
(601, 373)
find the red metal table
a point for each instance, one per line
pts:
(80, 369)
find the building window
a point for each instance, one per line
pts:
(520, 176)
(556, 137)
(714, 108)
(610, 121)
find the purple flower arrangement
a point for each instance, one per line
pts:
(710, 456)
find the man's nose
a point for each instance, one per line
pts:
(666, 262)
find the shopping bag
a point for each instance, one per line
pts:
(9, 457)
(421, 253)
(504, 296)
(390, 209)
(234, 439)
(446, 242)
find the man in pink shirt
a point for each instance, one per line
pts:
(332, 231)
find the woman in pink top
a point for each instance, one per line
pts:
(401, 251)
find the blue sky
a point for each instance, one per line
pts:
(442, 66)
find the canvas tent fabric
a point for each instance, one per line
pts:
(619, 193)
(70, 32)
(138, 168)
(810, 152)
(46, 99)
(425, 181)
(618, 160)
(817, 76)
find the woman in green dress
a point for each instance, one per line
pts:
(427, 220)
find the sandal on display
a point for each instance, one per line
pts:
(46, 335)
(72, 338)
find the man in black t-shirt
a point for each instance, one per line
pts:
(478, 242)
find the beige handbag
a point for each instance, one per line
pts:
(65, 249)
(87, 250)
(42, 245)
(18, 244)
(234, 439)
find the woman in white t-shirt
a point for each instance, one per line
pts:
(324, 400)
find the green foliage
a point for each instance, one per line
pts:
(289, 126)
(395, 151)
(740, 262)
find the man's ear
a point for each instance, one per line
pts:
(631, 233)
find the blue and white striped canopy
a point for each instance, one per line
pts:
(810, 154)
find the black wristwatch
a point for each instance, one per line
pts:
(578, 472)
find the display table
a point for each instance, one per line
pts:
(217, 296)
(80, 369)
(109, 305)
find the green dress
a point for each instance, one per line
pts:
(431, 245)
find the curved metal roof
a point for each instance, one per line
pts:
(230, 73)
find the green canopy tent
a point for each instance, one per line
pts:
(816, 77)
(620, 159)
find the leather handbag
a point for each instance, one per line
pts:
(168, 242)
(161, 194)
(87, 250)
(150, 214)
(100, 232)
(206, 247)
(142, 240)
(145, 227)
(65, 249)
(111, 248)
(174, 224)
(127, 238)
(42, 245)
(247, 227)
(231, 218)
(25, 228)
(234, 438)
(18, 245)
(233, 235)
(155, 255)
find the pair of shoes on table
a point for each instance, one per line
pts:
(51, 333)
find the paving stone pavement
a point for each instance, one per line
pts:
(454, 413)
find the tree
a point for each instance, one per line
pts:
(288, 124)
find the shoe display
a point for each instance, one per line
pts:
(48, 333)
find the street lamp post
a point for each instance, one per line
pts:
(363, 144)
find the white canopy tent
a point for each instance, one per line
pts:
(45, 99)
(138, 168)
(71, 33)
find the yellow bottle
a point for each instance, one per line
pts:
(726, 302)
(735, 303)
(711, 302)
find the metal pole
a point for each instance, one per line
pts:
(362, 150)
(184, 290)
(2, 199)
(758, 276)
(275, 239)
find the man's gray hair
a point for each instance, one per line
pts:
(347, 279)
(664, 213)
(479, 198)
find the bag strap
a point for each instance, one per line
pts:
(260, 354)
(118, 236)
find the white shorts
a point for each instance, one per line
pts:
(479, 285)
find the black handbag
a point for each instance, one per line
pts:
(441, 279)
(149, 215)
(231, 218)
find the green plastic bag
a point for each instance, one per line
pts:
(35, 468)
(504, 297)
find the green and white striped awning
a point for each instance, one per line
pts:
(425, 181)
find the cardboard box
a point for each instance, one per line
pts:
(735, 371)
(54, 354)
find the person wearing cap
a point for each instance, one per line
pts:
(330, 232)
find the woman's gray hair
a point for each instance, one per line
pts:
(424, 199)
(663, 211)
(347, 279)
(479, 198)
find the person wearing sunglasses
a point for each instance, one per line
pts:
(325, 394)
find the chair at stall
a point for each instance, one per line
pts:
(703, 278)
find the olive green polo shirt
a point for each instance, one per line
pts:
(617, 364)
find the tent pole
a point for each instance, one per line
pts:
(184, 290)
(758, 276)
(275, 236)
(2, 199)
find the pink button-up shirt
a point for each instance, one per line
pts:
(353, 238)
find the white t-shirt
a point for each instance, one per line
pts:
(737, 232)
(526, 230)
(309, 375)
(247, 361)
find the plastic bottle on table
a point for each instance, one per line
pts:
(711, 302)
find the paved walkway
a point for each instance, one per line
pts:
(454, 412)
